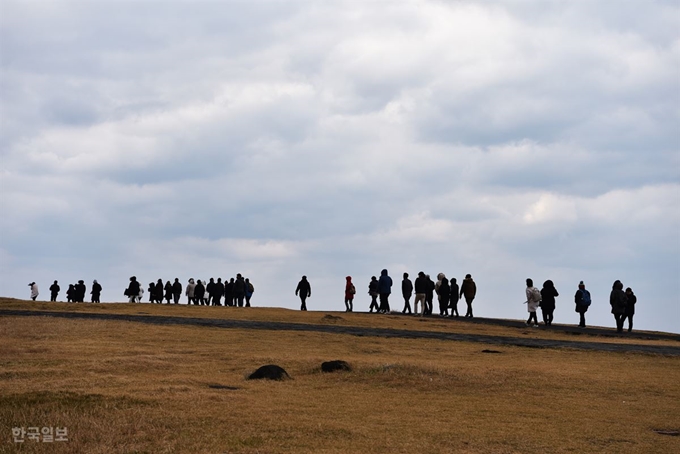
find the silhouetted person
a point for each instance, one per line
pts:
(159, 290)
(406, 292)
(219, 291)
(420, 287)
(373, 291)
(443, 293)
(239, 289)
(384, 289)
(71, 294)
(176, 291)
(304, 291)
(250, 289)
(582, 300)
(618, 301)
(96, 291)
(453, 299)
(229, 292)
(429, 295)
(468, 289)
(168, 292)
(80, 291)
(54, 291)
(190, 292)
(533, 300)
(350, 290)
(548, 294)
(132, 291)
(199, 293)
(630, 308)
(151, 289)
(210, 290)
(34, 290)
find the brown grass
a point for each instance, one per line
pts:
(434, 324)
(128, 387)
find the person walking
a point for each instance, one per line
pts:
(191, 292)
(373, 291)
(210, 290)
(630, 308)
(304, 291)
(406, 292)
(96, 291)
(468, 289)
(420, 287)
(582, 300)
(132, 292)
(350, 290)
(229, 292)
(71, 294)
(443, 294)
(199, 294)
(176, 291)
(54, 291)
(250, 289)
(239, 289)
(618, 301)
(453, 302)
(168, 292)
(34, 290)
(80, 290)
(533, 300)
(429, 295)
(158, 292)
(219, 291)
(548, 294)
(384, 289)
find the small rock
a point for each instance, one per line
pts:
(332, 366)
(269, 372)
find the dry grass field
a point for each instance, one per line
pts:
(125, 387)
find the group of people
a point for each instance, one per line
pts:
(622, 303)
(236, 292)
(74, 294)
(448, 294)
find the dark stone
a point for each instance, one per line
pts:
(269, 372)
(491, 351)
(332, 366)
(672, 433)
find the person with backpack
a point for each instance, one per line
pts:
(190, 292)
(420, 287)
(168, 292)
(132, 292)
(406, 292)
(304, 291)
(249, 291)
(468, 289)
(350, 290)
(533, 300)
(582, 300)
(443, 294)
(548, 294)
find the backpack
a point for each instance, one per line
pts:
(251, 289)
(353, 290)
(535, 294)
(585, 298)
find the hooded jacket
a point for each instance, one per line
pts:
(349, 289)
(384, 283)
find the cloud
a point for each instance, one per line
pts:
(505, 139)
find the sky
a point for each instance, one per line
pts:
(505, 139)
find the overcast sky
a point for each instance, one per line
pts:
(506, 139)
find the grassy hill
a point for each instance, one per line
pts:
(122, 386)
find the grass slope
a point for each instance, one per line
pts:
(128, 387)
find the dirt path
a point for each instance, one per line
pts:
(363, 331)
